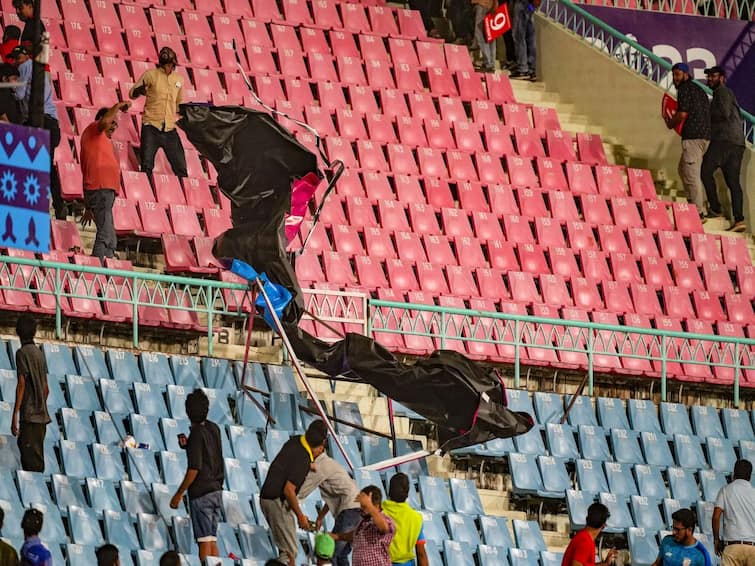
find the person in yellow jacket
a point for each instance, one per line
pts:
(408, 545)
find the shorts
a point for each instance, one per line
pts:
(205, 515)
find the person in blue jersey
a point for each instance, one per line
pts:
(681, 548)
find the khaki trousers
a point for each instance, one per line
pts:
(738, 555)
(690, 165)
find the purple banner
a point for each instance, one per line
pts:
(24, 188)
(699, 41)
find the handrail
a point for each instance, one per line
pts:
(623, 48)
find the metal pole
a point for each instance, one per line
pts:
(299, 370)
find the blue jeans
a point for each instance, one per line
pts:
(487, 50)
(346, 521)
(524, 37)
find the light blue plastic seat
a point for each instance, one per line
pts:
(281, 379)
(689, 452)
(237, 508)
(184, 533)
(12, 524)
(172, 466)
(592, 443)
(620, 480)
(721, 455)
(555, 477)
(249, 412)
(68, 491)
(146, 430)
(577, 503)
(8, 491)
(675, 419)
(149, 400)
(109, 432)
(525, 476)
(218, 374)
(650, 482)
(561, 443)
(458, 553)
(435, 494)
(80, 555)
(254, 376)
(737, 424)
(120, 530)
(551, 558)
(706, 422)
(136, 497)
(626, 446)
(255, 542)
(591, 477)
(76, 425)
(53, 530)
(220, 412)
(433, 526)
(642, 546)
(152, 532)
(465, 496)
(643, 416)
(522, 557)
(705, 516)
(76, 459)
(82, 394)
(170, 429)
(375, 449)
(349, 412)
(85, 527)
(682, 484)
(102, 495)
(239, 476)
(123, 366)
(582, 411)
(656, 450)
(646, 513)
(711, 482)
(492, 555)
(162, 495)
(531, 442)
(90, 362)
(549, 407)
(495, 531)
(228, 542)
(155, 368)
(285, 412)
(245, 443)
(186, 372)
(59, 359)
(10, 459)
(528, 535)
(142, 466)
(115, 396)
(612, 414)
(274, 441)
(463, 529)
(620, 519)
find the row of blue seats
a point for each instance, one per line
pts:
(638, 415)
(546, 476)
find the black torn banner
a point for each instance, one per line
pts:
(257, 161)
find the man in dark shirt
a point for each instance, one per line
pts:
(694, 111)
(204, 475)
(285, 477)
(727, 147)
(25, 12)
(30, 415)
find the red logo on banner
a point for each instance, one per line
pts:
(497, 23)
(668, 108)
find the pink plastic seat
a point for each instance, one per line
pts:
(595, 209)
(431, 163)
(472, 198)
(423, 219)
(560, 145)
(439, 250)
(380, 128)
(642, 242)
(532, 258)
(610, 180)
(655, 215)
(590, 147)
(612, 239)
(562, 206)
(528, 142)
(581, 179)
(687, 218)
(520, 172)
(502, 256)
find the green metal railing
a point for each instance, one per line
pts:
(524, 340)
(736, 9)
(66, 289)
(621, 48)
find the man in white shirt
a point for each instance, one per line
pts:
(736, 502)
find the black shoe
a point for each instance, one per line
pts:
(520, 76)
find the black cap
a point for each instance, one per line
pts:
(19, 50)
(715, 69)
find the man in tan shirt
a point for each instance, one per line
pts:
(163, 87)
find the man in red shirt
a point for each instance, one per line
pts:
(101, 174)
(581, 549)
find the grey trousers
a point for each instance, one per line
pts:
(281, 521)
(101, 202)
